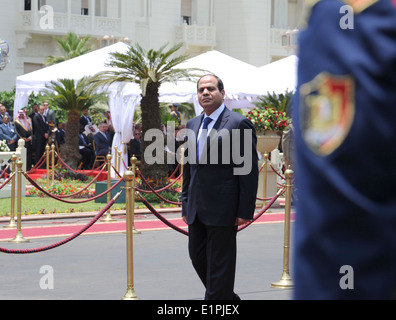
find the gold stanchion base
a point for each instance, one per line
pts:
(19, 238)
(130, 295)
(108, 218)
(284, 283)
(11, 225)
(135, 231)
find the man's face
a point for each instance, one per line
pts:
(209, 96)
(41, 109)
(2, 109)
(85, 112)
(6, 119)
(46, 105)
(104, 128)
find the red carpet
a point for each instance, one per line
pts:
(65, 230)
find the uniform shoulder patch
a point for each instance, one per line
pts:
(360, 5)
(327, 110)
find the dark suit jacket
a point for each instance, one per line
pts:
(40, 127)
(102, 145)
(84, 121)
(213, 191)
(135, 147)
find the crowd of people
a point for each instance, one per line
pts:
(41, 128)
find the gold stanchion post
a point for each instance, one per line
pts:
(181, 165)
(119, 161)
(286, 280)
(108, 217)
(265, 173)
(134, 162)
(19, 237)
(116, 158)
(12, 224)
(47, 158)
(129, 178)
(53, 163)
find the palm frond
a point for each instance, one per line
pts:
(142, 66)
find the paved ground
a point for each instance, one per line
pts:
(93, 267)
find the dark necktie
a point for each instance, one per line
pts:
(203, 136)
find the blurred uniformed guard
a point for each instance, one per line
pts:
(345, 122)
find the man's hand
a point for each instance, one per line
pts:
(185, 219)
(240, 222)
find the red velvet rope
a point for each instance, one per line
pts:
(176, 228)
(67, 201)
(7, 181)
(4, 173)
(78, 171)
(152, 189)
(156, 191)
(58, 244)
(83, 189)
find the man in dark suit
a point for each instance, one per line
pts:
(84, 119)
(217, 197)
(103, 140)
(40, 134)
(135, 144)
(3, 113)
(86, 150)
(8, 133)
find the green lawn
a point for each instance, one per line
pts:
(36, 205)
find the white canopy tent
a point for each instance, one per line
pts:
(124, 99)
(279, 76)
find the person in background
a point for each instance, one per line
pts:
(135, 145)
(23, 127)
(3, 113)
(40, 134)
(86, 150)
(176, 116)
(60, 134)
(109, 121)
(103, 140)
(8, 133)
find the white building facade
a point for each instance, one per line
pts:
(247, 30)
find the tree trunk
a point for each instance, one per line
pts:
(151, 119)
(70, 151)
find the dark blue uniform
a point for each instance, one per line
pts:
(345, 122)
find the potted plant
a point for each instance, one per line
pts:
(269, 124)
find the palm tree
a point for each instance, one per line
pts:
(72, 47)
(281, 102)
(149, 69)
(73, 97)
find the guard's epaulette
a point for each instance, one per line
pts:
(359, 5)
